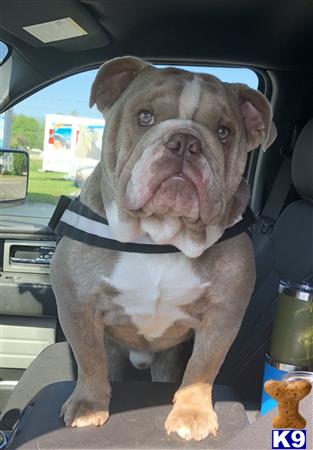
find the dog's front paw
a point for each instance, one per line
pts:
(192, 423)
(82, 413)
(192, 416)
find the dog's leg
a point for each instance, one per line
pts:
(89, 403)
(169, 365)
(193, 416)
(117, 360)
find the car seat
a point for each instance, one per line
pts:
(286, 254)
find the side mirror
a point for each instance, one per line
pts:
(14, 170)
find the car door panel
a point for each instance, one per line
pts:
(28, 313)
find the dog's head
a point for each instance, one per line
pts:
(174, 150)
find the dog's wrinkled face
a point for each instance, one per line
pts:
(175, 148)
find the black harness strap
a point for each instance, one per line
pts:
(244, 225)
(62, 205)
(74, 219)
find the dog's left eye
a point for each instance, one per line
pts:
(222, 133)
(145, 118)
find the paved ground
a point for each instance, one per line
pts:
(12, 187)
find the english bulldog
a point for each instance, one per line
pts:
(174, 151)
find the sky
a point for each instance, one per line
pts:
(3, 51)
(72, 94)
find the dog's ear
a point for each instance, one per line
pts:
(257, 115)
(112, 79)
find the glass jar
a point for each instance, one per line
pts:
(292, 337)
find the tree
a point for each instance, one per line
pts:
(26, 132)
(19, 163)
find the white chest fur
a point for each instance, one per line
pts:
(153, 288)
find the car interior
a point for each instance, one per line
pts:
(275, 41)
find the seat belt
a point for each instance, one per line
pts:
(277, 197)
(274, 205)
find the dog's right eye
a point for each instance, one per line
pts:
(223, 133)
(145, 118)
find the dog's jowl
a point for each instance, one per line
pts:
(170, 177)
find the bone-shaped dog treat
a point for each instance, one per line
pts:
(288, 395)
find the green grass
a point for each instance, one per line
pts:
(46, 187)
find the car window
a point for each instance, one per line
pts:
(4, 51)
(63, 136)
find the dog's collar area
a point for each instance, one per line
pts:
(74, 219)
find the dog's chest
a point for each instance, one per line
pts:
(153, 290)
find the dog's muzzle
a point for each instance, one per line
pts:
(182, 144)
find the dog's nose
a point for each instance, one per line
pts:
(181, 143)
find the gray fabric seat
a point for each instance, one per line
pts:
(287, 254)
(138, 412)
(56, 365)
